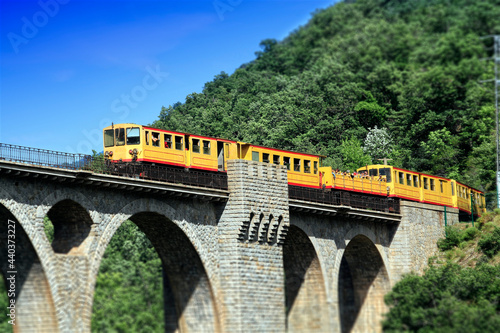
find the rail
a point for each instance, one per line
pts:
(163, 173)
(43, 157)
(71, 161)
(345, 198)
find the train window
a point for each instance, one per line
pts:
(441, 185)
(315, 167)
(307, 166)
(408, 179)
(255, 156)
(206, 147)
(387, 173)
(109, 138)
(286, 161)
(265, 158)
(401, 178)
(120, 136)
(178, 143)
(276, 159)
(296, 164)
(147, 137)
(133, 136)
(452, 188)
(373, 172)
(167, 139)
(155, 137)
(426, 183)
(433, 187)
(415, 181)
(196, 145)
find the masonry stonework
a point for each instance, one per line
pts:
(248, 262)
(251, 232)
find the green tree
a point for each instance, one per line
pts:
(446, 299)
(441, 152)
(128, 295)
(353, 155)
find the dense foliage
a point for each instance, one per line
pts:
(446, 299)
(129, 289)
(459, 295)
(411, 67)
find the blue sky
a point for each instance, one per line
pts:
(68, 68)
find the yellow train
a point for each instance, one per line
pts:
(143, 144)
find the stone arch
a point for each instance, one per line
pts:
(189, 304)
(34, 305)
(363, 280)
(72, 227)
(305, 291)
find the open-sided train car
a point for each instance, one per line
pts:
(350, 182)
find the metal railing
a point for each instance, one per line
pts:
(43, 157)
(70, 161)
(344, 198)
(174, 175)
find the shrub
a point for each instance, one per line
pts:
(452, 239)
(445, 299)
(469, 233)
(490, 243)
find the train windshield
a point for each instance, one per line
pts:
(109, 138)
(385, 172)
(373, 172)
(133, 136)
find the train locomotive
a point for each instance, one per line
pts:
(137, 144)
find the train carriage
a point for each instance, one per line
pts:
(421, 187)
(357, 183)
(143, 144)
(303, 169)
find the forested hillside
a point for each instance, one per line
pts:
(411, 67)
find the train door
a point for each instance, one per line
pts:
(220, 155)
(187, 150)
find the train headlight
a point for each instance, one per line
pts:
(106, 153)
(135, 151)
(111, 153)
(130, 152)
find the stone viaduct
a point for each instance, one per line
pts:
(248, 259)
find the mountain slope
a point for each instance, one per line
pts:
(412, 67)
